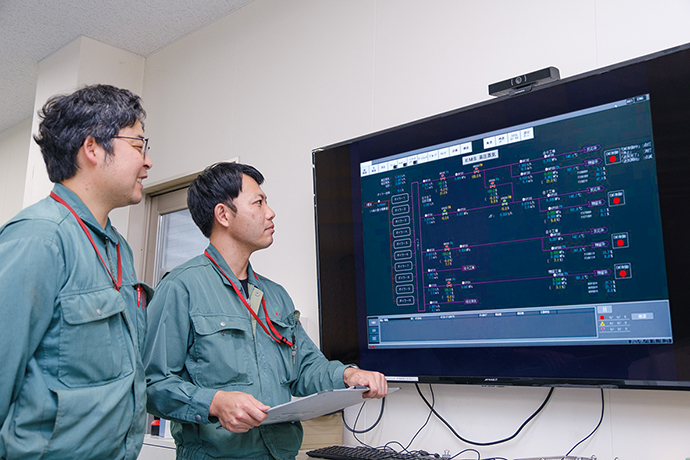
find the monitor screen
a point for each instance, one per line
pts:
(533, 239)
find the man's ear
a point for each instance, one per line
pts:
(90, 148)
(222, 213)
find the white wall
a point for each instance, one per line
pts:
(14, 150)
(277, 78)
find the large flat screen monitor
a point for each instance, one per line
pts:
(534, 239)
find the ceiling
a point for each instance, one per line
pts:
(31, 30)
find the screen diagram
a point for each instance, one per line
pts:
(548, 232)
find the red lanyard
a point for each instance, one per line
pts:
(276, 335)
(116, 284)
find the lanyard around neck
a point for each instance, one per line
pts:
(116, 284)
(276, 335)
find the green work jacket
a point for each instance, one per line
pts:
(201, 338)
(72, 384)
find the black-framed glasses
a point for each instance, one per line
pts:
(144, 147)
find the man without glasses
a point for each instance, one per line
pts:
(224, 343)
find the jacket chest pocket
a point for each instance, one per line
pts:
(222, 351)
(92, 345)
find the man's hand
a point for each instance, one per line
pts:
(378, 386)
(238, 412)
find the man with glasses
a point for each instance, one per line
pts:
(73, 313)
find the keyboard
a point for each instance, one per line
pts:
(361, 453)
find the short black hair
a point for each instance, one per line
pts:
(100, 111)
(219, 183)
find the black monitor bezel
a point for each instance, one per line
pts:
(663, 75)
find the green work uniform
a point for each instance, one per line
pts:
(72, 383)
(202, 338)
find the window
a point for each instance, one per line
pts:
(161, 230)
(177, 238)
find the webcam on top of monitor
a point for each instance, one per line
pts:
(524, 83)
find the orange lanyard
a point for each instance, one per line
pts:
(276, 335)
(116, 284)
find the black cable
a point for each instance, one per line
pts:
(546, 400)
(479, 456)
(352, 430)
(385, 447)
(359, 413)
(601, 418)
(428, 417)
(433, 411)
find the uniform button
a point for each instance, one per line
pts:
(197, 418)
(222, 323)
(100, 313)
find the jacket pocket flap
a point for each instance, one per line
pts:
(288, 322)
(92, 306)
(211, 324)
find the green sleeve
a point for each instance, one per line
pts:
(30, 270)
(170, 394)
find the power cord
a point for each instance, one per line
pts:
(352, 430)
(387, 447)
(474, 443)
(426, 422)
(601, 418)
(432, 410)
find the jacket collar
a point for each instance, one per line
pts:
(84, 213)
(251, 276)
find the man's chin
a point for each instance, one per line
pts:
(134, 201)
